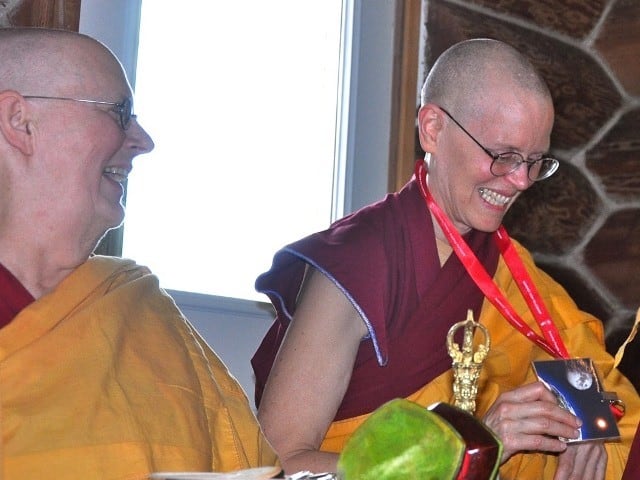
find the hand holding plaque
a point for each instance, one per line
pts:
(578, 389)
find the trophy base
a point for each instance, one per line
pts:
(483, 450)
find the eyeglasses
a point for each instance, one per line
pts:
(508, 162)
(124, 109)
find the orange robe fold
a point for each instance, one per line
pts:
(104, 378)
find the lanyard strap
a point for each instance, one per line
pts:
(551, 342)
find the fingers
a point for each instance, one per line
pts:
(528, 435)
(530, 419)
(579, 461)
(530, 393)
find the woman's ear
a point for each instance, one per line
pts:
(429, 127)
(15, 125)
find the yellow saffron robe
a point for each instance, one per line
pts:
(104, 378)
(503, 371)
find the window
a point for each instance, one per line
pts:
(363, 143)
(240, 98)
(234, 327)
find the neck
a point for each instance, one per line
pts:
(444, 251)
(38, 280)
(41, 254)
(442, 244)
(38, 270)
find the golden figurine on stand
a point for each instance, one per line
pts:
(467, 363)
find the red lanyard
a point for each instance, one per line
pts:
(551, 342)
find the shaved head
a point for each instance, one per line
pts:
(467, 70)
(52, 62)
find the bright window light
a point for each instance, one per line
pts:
(240, 99)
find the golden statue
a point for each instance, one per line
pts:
(467, 363)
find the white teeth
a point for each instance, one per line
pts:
(117, 174)
(493, 198)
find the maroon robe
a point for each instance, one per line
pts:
(384, 258)
(632, 470)
(13, 296)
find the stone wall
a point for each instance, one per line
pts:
(64, 14)
(583, 224)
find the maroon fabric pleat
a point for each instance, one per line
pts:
(13, 296)
(384, 258)
(632, 470)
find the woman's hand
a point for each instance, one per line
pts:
(530, 419)
(582, 460)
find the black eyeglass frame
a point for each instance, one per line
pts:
(124, 109)
(555, 163)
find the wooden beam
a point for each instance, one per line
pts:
(405, 98)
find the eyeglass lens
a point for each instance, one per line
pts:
(125, 111)
(536, 169)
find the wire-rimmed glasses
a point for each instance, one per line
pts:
(508, 162)
(123, 109)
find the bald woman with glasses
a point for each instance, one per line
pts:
(364, 307)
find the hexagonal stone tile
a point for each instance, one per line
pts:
(613, 255)
(576, 19)
(553, 215)
(619, 40)
(616, 158)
